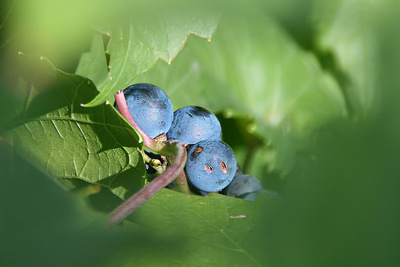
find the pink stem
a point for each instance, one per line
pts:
(124, 110)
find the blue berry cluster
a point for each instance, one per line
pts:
(211, 164)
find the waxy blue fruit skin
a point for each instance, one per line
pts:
(211, 165)
(246, 187)
(192, 124)
(150, 108)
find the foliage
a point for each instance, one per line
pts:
(307, 111)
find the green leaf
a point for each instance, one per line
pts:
(93, 64)
(136, 44)
(253, 68)
(68, 141)
(342, 207)
(347, 29)
(3, 21)
(216, 230)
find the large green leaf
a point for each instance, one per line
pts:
(215, 230)
(170, 229)
(253, 68)
(68, 141)
(135, 45)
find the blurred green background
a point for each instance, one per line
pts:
(340, 206)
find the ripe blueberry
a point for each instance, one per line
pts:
(211, 165)
(150, 107)
(246, 187)
(192, 124)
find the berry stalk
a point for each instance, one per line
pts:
(134, 202)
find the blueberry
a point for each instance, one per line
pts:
(192, 124)
(246, 187)
(150, 107)
(211, 165)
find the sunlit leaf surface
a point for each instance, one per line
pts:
(66, 140)
(136, 44)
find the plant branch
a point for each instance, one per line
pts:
(135, 201)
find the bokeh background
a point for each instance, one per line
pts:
(340, 195)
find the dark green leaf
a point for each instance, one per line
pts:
(220, 227)
(69, 141)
